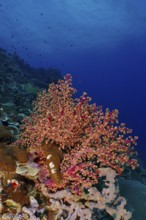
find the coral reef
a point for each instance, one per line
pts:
(75, 153)
(70, 160)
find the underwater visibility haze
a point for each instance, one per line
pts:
(102, 45)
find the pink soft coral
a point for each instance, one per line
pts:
(87, 137)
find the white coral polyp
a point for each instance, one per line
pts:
(82, 206)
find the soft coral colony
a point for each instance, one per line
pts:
(77, 151)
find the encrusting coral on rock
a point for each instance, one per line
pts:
(75, 152)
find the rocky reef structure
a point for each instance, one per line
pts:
(19, 84)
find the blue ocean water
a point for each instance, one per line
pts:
(101, 43)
